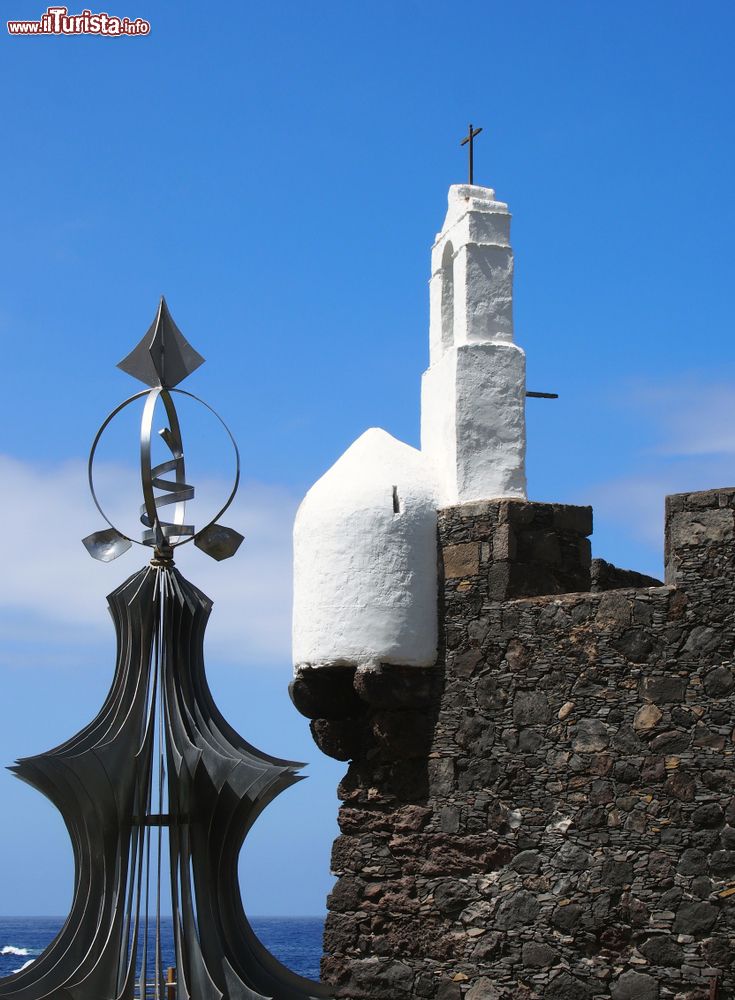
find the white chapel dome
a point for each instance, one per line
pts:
(365, 559)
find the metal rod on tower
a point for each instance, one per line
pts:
(470, 138)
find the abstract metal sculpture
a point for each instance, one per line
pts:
(158, 758)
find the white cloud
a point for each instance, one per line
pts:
(636, 500)
(52, 594)
(691, 415)
(690, 434)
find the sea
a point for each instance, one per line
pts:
(295, 941)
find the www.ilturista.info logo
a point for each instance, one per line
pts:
(58, 21)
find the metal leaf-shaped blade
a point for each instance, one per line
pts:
(106, 545)
(164, 356)
(218, 541)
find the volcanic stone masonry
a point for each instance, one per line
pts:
(549, 812)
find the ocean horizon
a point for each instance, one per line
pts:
(295, 941)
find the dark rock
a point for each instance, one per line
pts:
(487, 946)
(564, 986)
(340, 932)
(390, 686)
(662, 950)
(393, 978)
(447, 990)
(601, 793)
(708, 815)
(325, 693)
(672, 897)
(635, 644)
(719, 682)
(464, 664)
(539, 956)
(441, 776)
(590, 819)
(692, 862)
(402, 734)
(484, 989)
(634, 986)
(671, 742)
(471, 731)
(718, 952)
(570, 858)
(682, 717)
(590, 735)
(412, 818)
(490, 695)
(722, 864)
(616, 873)
(480, 773)
(701, 886)
(526, 862)
(605, 576)
(626, 740)
(705, 840)
(625, 773)
(516, 655)
(615, 938)
(681, 785)
(452, 896)
(346, 894)
(342, 739)
(516, 909)
(574, 519)
(705, 737)
(663, 690)
(449, 819)
(695, 918)
(530, 707)
(566, 917)
(529, 741)
(653, 770)
(701, 640)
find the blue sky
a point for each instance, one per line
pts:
(279, 172)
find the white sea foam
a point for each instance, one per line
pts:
(10, 950)
(25, 966)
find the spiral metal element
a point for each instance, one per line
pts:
(161, 533)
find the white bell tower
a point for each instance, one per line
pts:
(473, 427)
(365, 560)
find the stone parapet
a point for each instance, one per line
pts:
(500, 549)
(549, 813)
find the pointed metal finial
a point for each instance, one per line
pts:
(164, 357)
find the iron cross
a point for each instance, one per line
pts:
(470, 138)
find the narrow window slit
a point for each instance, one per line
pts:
(396, 501)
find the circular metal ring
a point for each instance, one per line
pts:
(154, 393)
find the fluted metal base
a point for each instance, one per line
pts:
(158, 759)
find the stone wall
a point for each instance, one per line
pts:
(549, 813)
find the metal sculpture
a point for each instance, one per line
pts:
(158, 759)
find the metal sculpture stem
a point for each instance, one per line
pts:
(158, 758)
